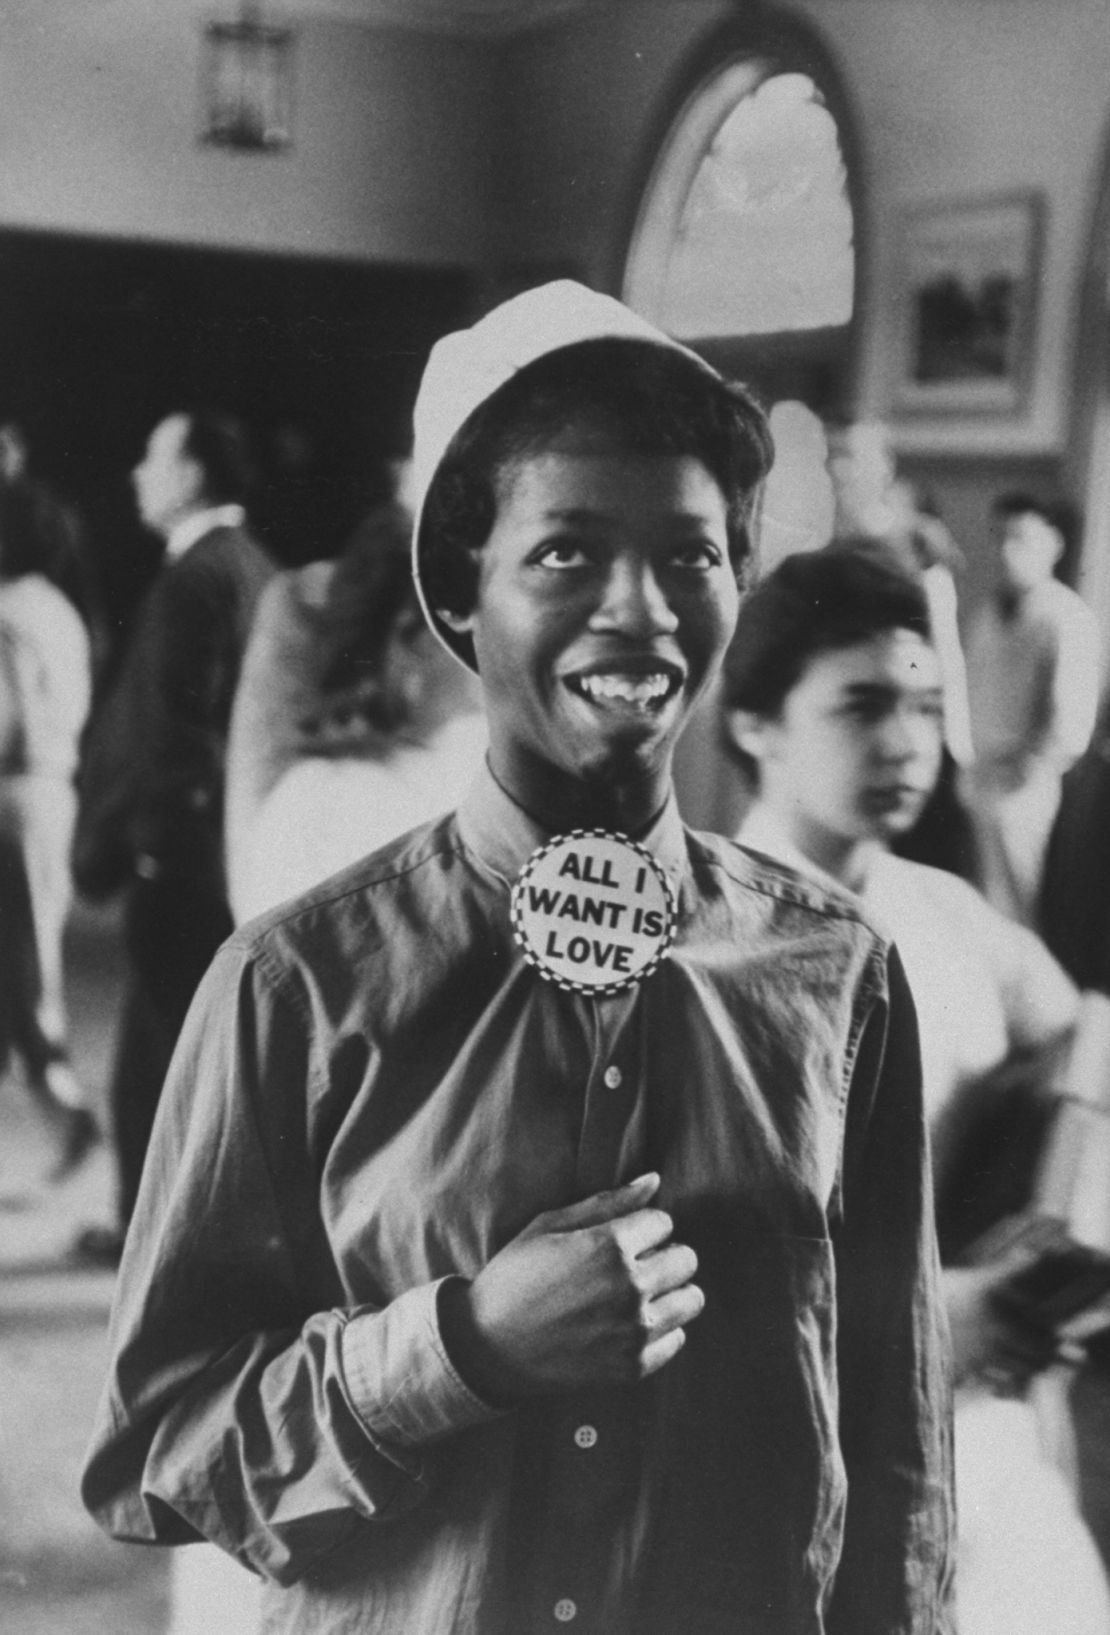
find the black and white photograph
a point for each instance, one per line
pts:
(554, 813)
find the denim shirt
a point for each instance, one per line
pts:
(374, 1092)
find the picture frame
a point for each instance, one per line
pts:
(967, 287)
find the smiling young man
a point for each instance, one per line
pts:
(537, 1229)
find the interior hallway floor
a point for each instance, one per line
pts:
(59, 1575)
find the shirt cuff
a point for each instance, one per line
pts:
(400, 1380)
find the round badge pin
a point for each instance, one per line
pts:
(593, 911)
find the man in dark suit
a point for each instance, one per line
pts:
(151, 785)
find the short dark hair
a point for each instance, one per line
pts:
(655, 399)
(816, 602)
(371, 597)
(1061, 514)
(220, 444)
(370, 590)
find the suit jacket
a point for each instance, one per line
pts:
(152, 777)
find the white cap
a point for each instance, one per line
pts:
(466, 368)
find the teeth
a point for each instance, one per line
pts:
(630, 689)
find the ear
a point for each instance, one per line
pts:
(747, 732)
(461, 623)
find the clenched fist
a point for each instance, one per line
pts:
(594, 1294)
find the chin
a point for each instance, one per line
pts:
(619, 764)
(895, 827)
(642, 744)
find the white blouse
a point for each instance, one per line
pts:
(982, 986)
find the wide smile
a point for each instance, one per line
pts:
(638, 692)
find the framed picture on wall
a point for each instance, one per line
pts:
(967, 291)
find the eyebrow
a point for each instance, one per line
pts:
(579, 515)
(888, 689)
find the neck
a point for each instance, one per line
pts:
(847, 860)
(168, 526)
(850, 864)
(1011, 598)
(561, 802)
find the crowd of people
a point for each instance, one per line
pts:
(466, 1289)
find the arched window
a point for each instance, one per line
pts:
(745, 245)
(746, 227)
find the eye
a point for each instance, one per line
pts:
(698, 554)
(562, 554)
(868, 710)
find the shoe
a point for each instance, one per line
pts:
(80, 1135)
(99, 1246)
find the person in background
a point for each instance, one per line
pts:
(45, 684)
(1074, 919)
(152, 774)
(462, 1296)
(1033, 682)
(832, 704)
(1073, 909)
(51, 535)
(873, 502)
(351, 723)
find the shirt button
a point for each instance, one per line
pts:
(565, 1610)
(585, 1436)
(613, 1077)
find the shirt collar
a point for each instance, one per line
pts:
(762, 831)
(198, 523)
(503, 836)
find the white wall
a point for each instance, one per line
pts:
(416, 148)
(98, 117)
(959, 99)
(581, 102)
(954, 97)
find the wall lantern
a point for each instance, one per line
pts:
(247, 83)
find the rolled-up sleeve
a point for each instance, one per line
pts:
(242, 1405)
(895, 1573)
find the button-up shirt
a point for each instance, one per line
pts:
(375, 1092)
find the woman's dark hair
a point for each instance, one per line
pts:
(815, 602)
(370, 594)
(1060, 514)
(655, 400)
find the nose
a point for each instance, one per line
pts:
(634, 603)
(908, 734)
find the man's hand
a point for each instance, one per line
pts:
(988, 1342)
(595, 1294)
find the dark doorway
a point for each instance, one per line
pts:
(99, 338)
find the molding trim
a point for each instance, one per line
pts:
(481, 19)
(775, 40)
